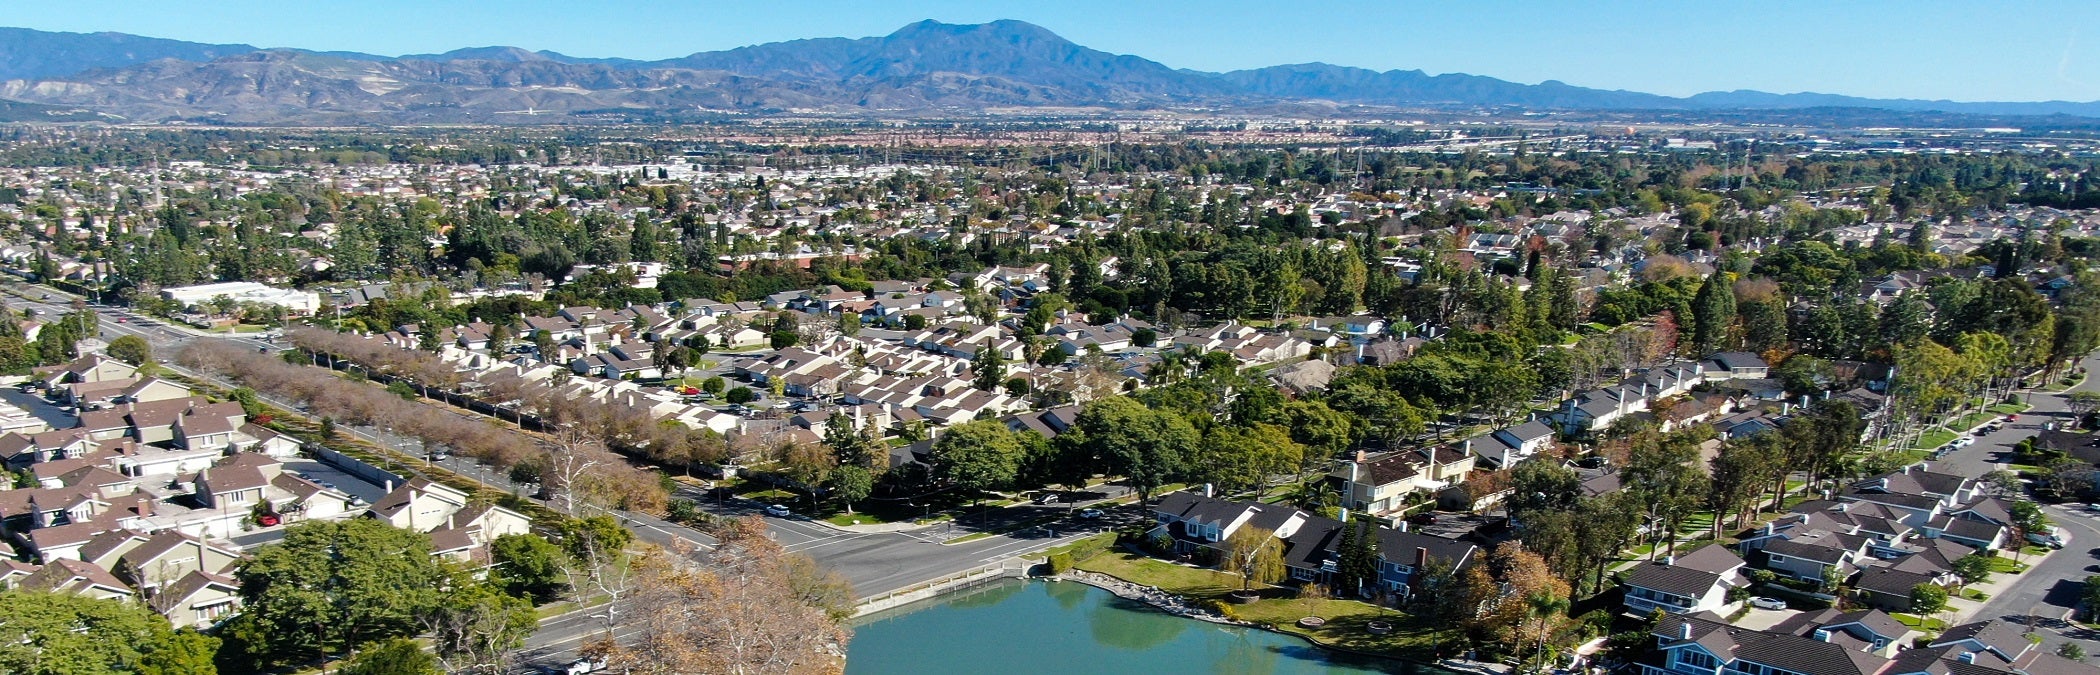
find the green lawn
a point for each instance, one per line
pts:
(2010, 408)
(1932, 440)
(1970, 420)
(1973, 594)
(1925, 624)
(2007, 566)
(1180, 579)
(1346, 619)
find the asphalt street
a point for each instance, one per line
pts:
(2048, 593)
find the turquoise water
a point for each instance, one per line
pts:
(1029, 628)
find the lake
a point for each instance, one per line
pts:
(1065, 628)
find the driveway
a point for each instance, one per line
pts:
(36, 406)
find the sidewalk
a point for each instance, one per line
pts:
(1962, 609)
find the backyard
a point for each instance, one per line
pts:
(1346, 620)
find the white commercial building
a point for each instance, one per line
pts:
(296, 301)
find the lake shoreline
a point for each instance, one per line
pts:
(1175, 605)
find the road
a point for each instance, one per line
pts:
(875, 563)
(2049, 592)
(1993, 450)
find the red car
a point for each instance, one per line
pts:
(2012, 418)
(268, 520)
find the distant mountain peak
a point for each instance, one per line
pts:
(925, 65)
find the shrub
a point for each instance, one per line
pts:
(1060, 562)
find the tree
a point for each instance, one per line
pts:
(1148, 447)
(597, 547)
(1974, 568)
(2089, 596)
(2067, 477)
(854, 444)
(741, 395)
(1256, 555)
(1713, 312)
(987, 369)
(714, 385)
(1243, 458)
(499, 339)
(543, 345)
(740, 607)
(976, 456)
(1357, 571)
(43, 633)
(427, 339)
(130, 349)
(2083, 404)
(331, 586)
(1928, 599)
(1544, 606)
(527, 566)
(479, 628)
(851, 483)
(398, 656)
(186, 652)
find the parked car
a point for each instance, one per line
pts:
(2012, 418)
(1090, 514)
(1046, 498)
(1765, 602)
(778, 511)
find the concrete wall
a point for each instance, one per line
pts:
(357, 467)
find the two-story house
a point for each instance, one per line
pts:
(1698, 581)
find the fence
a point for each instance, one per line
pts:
(355, 467)
(1004, 569)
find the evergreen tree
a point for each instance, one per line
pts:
(988, 369)
(1713, 312)
(1358, 567)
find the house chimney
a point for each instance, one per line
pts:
(1684, 629)
(1400, 526)
(1345, 515)
(1768, 529)
(1966, 657)
(1669, 560)
(1207, 491)
(1421, 557)
(1822, 635)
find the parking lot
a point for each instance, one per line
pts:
(35, 404)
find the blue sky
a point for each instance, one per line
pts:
(2035, 50)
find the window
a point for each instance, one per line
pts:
(1696, 659)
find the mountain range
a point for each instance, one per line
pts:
(925, 67)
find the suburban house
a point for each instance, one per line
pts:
(1391, 483)
(1311, 543)
(1868, 630)
(1736, 366)
(1704, 644)
(1699, 581)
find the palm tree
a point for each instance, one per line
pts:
(1542, 607)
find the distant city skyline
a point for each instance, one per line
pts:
(1965, 51)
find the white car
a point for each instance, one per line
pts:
(1090, 514)
(778, 511)
(1764, 602)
